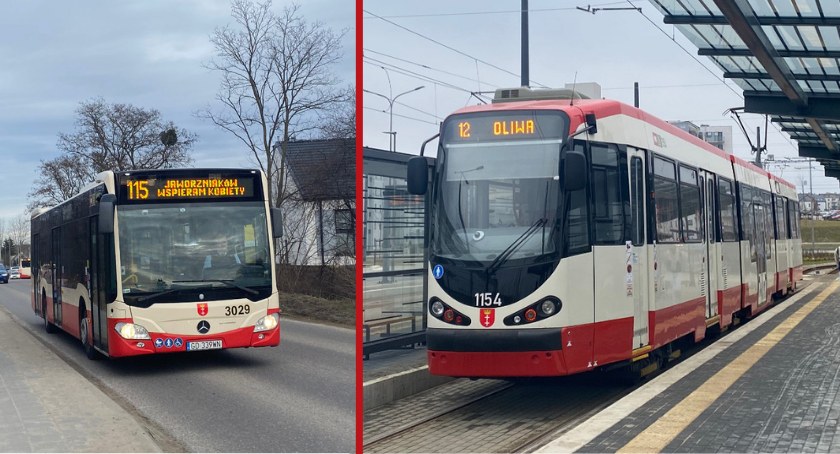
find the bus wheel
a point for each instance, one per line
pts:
(48, 327)
(84, 334)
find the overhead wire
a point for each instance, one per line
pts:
(446, 46)
(477, 13)
(406, 72)
(460, 76)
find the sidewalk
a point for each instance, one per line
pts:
(46, 406)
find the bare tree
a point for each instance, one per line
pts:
(19, 233)
(59, 179)
(125, 137)
(340, 122)
(109, 137)
(276, 77)
(3, 259)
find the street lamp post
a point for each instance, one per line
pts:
(392, 140)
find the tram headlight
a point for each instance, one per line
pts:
(548, 308)
(131, 331)
(437, 308)
(267, 323)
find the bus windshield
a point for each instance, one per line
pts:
(189, 245)
(497, 201)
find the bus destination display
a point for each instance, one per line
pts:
(538, 125)
(179, 188)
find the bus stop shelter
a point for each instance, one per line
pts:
(784, 54)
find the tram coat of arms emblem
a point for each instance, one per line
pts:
(202, 309)
(488, 316)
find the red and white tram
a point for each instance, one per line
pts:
(571, 236)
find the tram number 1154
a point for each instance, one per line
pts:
(487, 299)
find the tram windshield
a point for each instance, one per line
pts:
(497, 201)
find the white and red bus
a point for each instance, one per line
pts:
(24, 269)
(573, 236)
(160, 261)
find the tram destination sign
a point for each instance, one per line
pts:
(147, 188)
(507, 125)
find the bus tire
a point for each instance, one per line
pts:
(84, 333)
(48, 327)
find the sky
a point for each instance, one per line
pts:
(454, 48)
(149, 53)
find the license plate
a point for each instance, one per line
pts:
(204, 345)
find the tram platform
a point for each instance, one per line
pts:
(41, 397)
(770, 385)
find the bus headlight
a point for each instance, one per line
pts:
(437, 308)
(131, 331)
(267, 323)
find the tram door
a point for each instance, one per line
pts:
(636, 281)
(760, 241)
(709, 270)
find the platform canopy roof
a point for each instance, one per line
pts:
(784, 54)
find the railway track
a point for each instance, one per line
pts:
(495, 416)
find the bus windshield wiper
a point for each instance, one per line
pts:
(152, 296)
(516, 244)
(228, 282)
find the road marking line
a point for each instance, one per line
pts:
(395, 375)
(662, 432)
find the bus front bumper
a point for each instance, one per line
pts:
(171, 343)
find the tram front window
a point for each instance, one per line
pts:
(187, 245)
(497, 201)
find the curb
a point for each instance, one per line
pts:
(390, 388)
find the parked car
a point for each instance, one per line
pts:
(14, 273)
(4, 275)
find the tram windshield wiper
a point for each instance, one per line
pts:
(516, 244)
(228, 282)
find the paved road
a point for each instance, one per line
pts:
(298, 397)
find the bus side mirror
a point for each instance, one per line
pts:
(418, 175)
(277, 222)
(575, 176)
(106, 213)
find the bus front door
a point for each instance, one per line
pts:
(99, 316)
(56, 275)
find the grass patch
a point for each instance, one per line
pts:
(824, 231)
(311, 308)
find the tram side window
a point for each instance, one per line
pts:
(781, 225)
(692, 225)
(795, 216)
(606, 196)
(578, 219)
(766, 200)
(666, 202)
(729, 230)
(748, 219)
(637, 178)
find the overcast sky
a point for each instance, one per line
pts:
(55, 54)
(474, 45)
